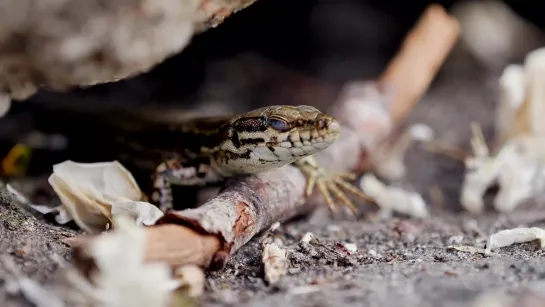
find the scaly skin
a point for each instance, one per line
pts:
(206, 150)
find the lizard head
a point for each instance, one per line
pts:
(278, 135)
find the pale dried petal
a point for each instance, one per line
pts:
(393, 198)
(275, 263)
(307, 237)
(93, 193)
(142, 212)
(516, 235)
(480, 174)
(534, 66)
(350, 247)
(191, 278)
(517, 168)
(518, 165)
(122, 277)
(512, 91)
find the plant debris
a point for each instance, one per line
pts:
(516, 235)
(119, 276)
(191, 279)
(517, 165)
(275, 263)
(94, 193)
(393, 199)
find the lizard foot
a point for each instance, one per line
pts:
(172, 172)
(329, 184)
(162, 194)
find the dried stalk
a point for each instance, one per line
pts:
(420, 57)
(243, 209)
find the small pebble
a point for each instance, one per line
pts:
(350, 247)
(307, 237)
(334, 228)
(278, 241)
(21, 252)
(292, 270)
(455, 240)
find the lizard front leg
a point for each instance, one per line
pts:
(328, 183)
(173, 172)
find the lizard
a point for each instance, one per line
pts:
(204, 150)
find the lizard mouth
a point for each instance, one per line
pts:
(291, 145)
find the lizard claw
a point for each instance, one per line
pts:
(329, 184)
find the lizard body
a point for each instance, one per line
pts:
(204, 150)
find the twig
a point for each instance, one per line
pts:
(244, 208)
(421, 55)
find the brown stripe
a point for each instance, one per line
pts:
(252, 141)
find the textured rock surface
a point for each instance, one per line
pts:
(63, 43)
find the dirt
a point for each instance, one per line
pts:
(32, 243)
(386, 270)
(400, 261)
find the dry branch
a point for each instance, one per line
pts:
(244, 208)
(422, 54)
(208, 235)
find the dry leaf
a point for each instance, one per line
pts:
(516, 235)
(393, 199)
(275, 263)
(191, 279)
(122, 276)
(517, 166)
(93, 193)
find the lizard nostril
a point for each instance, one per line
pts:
(334, 127)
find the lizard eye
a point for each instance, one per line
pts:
(278, 124)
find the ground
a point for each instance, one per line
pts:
(398, 262)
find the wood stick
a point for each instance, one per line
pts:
(243, 209)
(421, 55)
